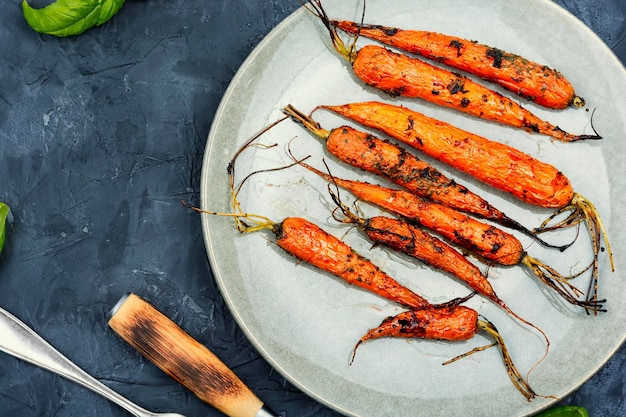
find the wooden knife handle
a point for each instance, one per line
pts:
(183, 358)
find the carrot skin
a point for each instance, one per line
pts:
(533, 81)
(384, 158)
(401, 75)
(493, 163)
(487, 241)
(452, 324)
(406, 238)
(309, 243)
(484, 240)
(390, 161)
(456, 323)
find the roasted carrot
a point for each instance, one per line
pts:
(536, 82)
(417, 243)
(494, 163)
(311, 244)
(390, 161)
(406, 238)
(308, 242)
(497, 164)
(484, 240)
(401, 75)
(451, 324)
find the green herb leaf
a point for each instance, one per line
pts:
(70, 17)
(4, 212)
(565, 411)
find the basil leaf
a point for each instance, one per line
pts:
(70, 17)
(107, 9)
(4, 212)
(565, 411)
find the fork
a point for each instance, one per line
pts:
(22, 342)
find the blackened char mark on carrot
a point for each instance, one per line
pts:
(463, 241)
(395, 92)
(277, 229)
(458, 46)
(488, 235)
(417, 328)
(457, 85)
(533, 127)
(389, 31)
(497, 55)
(409, 127)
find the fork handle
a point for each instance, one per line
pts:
(183, 358)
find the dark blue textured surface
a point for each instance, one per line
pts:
(101, 135)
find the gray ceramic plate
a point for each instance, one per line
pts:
(305, 322)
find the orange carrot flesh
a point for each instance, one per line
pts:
(309, 243)
(486, 241)
(390, 161)
(497, 164)
(410, 240)
(533, 81)
(456, 323)
(452, 324)
(483, 239)
(383, 158)
(401, 75)
(491, 162)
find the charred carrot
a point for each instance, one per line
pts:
(494, 163)
(390, 161)
(417, 243)
(311, 244)
(401, 75)
(406, 238)
(497, 164)
(450, 324)
(536, 82)
(485, 240)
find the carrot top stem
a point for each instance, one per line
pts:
(515, 225)
(348, 52)
(258, 221)
(583, 210)
(308, 122)
(520, 383)
(562, 286)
